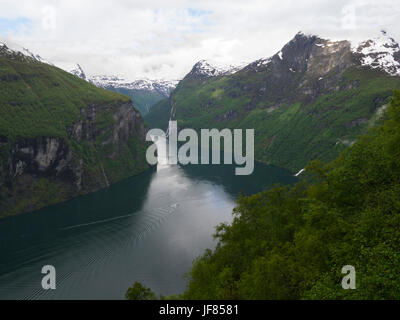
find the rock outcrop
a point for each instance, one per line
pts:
(39, 171)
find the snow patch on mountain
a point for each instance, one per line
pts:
(263, 62)
(380, 53)
(209, 68)
(78, 71)
(11, 48)
(160, 85)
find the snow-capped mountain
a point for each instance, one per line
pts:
(380, 53)
(161, 86)
(10, 48)
(143, 92)
(78, 71)
(207, 68)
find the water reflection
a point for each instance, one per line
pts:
(147, 228)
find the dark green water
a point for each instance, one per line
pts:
(148, 228)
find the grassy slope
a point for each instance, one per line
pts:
(295, 133)
(41, 100)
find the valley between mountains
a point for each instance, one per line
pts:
(76, 133)
(309, 101)
(328, 108)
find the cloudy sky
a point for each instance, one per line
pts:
(163, 39)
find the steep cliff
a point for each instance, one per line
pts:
(60, 136)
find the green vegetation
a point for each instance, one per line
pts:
(139, 292)
(159, 115)
(292, 242)
(40, 191)
(37, 99)
(142, 99)
(291, 128)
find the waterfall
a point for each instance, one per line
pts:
(104, 174)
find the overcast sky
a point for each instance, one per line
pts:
(164, 38)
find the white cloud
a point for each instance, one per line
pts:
(165, 38)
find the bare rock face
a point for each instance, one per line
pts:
(72, 165)
(39, 156)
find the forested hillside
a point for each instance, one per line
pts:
(292, 242)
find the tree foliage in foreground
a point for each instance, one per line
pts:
(292, 242)
(139, 292)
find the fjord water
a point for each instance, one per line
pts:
(148, 228)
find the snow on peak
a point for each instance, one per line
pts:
(262, 62)
(302, 34)
(78, 71)
(11, 48)
(212, 69)
(380, 53)
(161, 85)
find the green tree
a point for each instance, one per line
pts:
(140, 292)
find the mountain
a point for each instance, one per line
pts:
(159, 115)
(144, 92)
(12, 49)
(308, 101)
(60, 136)
(381, 53)
(206, 69)
(163, 87)
(78, 71)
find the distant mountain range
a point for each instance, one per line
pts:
(143, 92)
(308, 101)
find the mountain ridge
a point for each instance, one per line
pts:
(144, 92)
(307, 101)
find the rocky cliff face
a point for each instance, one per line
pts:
(39, 171)
(73, 165)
